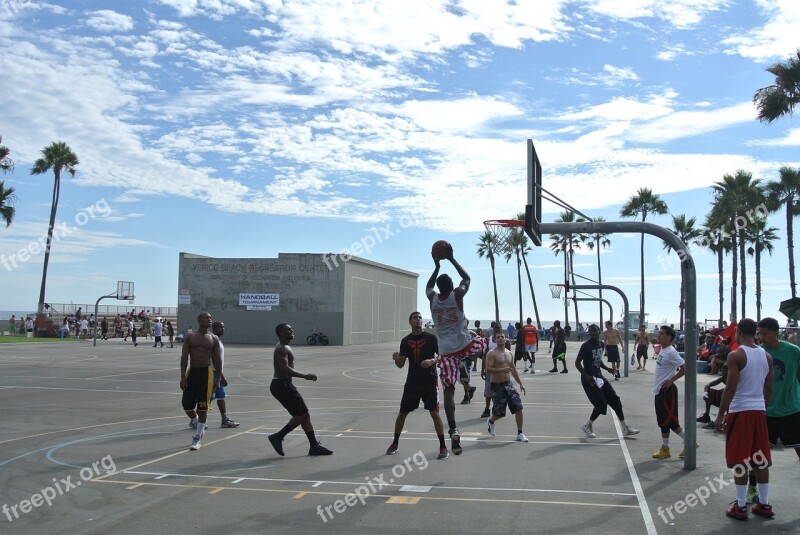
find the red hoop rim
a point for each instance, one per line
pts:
(509, 223)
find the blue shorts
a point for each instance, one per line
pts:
(505, 394)
(219, 393)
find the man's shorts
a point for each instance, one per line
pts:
(641, 351)
(613, 353)
(560, 351)
(288, 396)
(198, 389)
(747, 439)
(714, 396)
(464, 368)
(666, 402)
(413, 393)
(219, 393)
(531, 348)
(785, 428)
(505, 394)
(448, 370)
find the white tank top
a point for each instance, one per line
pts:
(451, 325)
(750, 391)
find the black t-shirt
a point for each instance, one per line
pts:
(416, 348)
(591, 357)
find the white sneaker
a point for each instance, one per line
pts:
(533, 372)
(628, 431)
(195, 444)
(522, 438)
(491, 426)
(586, 428)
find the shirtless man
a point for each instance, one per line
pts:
(642, 342)
(286, 393)
(611, 338)
(500, 364)
(201, 352)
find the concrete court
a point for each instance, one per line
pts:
(68, 406)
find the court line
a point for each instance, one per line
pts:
(637, 486)
(387, 496)
(317, 483)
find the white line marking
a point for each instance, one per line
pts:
(317, 484)
(637, 486)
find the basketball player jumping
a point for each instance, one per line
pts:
(452, 333)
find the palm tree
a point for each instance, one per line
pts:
(487, 247)
(786, 192)
(719, 245)
(761, 239)
(516, 242)
(6, 200)
(686, 231)
(58, 157)
(567, 243)
(737, 196)
(598, 240)
(525, 250)
(779, 100)
(6, 163)
(644, 203)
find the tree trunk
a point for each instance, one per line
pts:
(742, 261)
(566, 281)
(494, 284)
(720, 271)
(519, 284)
(533, 294)
(642, 317)
(734, 270)
(51, 226)
(600, 282)
(758, 281)
(790, 244)
(572, 276)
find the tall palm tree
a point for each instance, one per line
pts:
(738, 195)
(779, 100)
(567, 243)
(644, 203)
(487, 247)
(517, 241)
(688, 233)
(598, 240)
(786, 192)
(719, 245)
(525, 250)
(7, 198)
(6, 163)
(760, 237)
(58, 157)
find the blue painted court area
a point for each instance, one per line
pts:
(100, 433)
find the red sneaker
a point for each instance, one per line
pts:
(763, 509)
(734, 511)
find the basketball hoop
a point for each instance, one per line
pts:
(555, 290)
(503, 230)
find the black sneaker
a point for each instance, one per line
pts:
(704, 419)
(392, 449)
(277, 443)
(485, 414)
(564, 371)
(465, 401)
(472, 391)
(455, 438)
(554, 370)
(319, 449)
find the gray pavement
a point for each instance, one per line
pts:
(72, 411)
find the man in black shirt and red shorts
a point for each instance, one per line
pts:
(422, 351)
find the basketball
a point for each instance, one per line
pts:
(441, 249)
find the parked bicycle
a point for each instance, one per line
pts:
(317, 336)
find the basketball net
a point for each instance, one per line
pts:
(555, 290)
(503, 231)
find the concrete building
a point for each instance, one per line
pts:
(353, 302)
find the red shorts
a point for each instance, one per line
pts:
(448, 364)
(747, 439)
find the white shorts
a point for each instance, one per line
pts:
(532, 348)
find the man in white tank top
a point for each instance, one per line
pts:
(747, 392)
(452, 333)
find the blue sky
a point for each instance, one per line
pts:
(245, 128)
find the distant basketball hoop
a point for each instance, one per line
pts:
(505, 233)
(555, 290)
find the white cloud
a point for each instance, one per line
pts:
(776, 39)
(105, 20)
(791, 139)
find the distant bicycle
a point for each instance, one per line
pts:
(317, 335)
